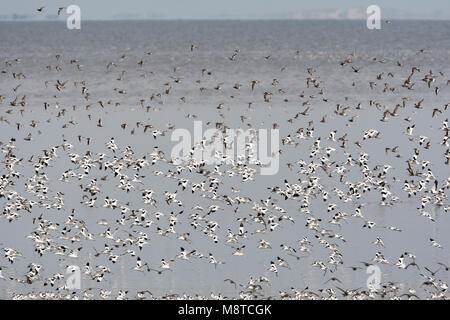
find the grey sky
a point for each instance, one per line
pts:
(213, 9)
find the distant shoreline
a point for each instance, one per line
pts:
(223, 19)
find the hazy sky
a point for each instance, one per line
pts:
(211, 9)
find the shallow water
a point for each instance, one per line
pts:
(322, 45)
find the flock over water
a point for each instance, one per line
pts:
(94, 206)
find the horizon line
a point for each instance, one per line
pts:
(221, 19)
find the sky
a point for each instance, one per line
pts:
(220, 9)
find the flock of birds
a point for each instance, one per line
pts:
(128, 199)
